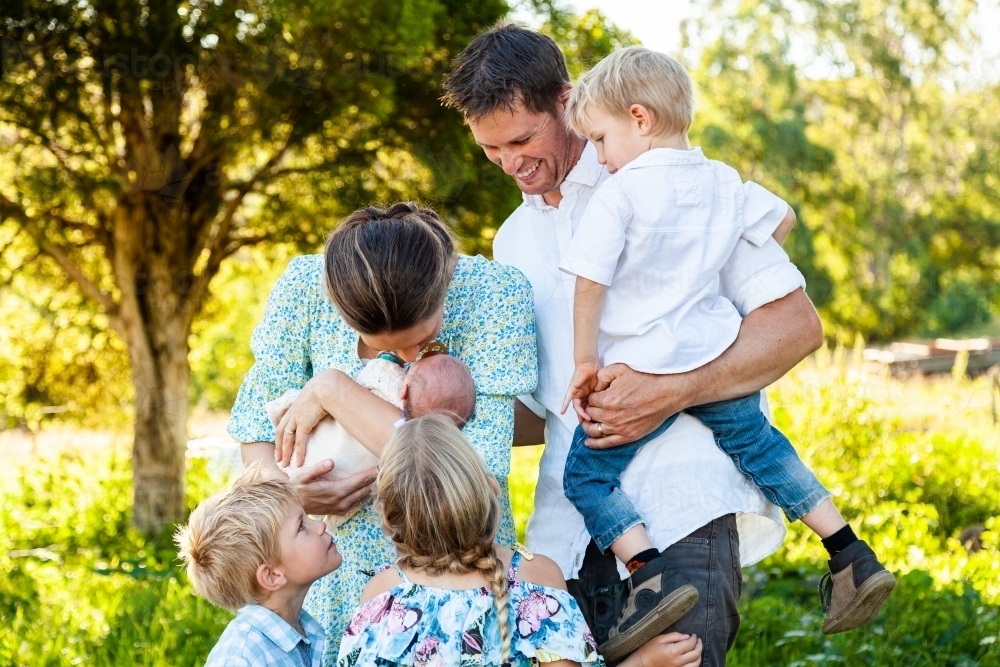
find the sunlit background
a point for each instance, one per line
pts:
(237, 134)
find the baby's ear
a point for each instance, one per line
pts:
(270, 577)
(494, 486)
(404, 391)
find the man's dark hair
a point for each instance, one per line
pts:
(504, 65)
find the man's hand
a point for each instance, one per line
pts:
(772, 339)
(323, 496)
(632, 404)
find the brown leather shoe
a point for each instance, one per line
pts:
(854, 589)
(657, 598)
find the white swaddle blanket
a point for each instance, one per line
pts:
(329, 440)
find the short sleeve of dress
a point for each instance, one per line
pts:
(499, 347)
(280, 346)
(549, 626)
(599, 238)
(763, 211)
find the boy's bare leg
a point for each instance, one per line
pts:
(633, 541)
(825, 520)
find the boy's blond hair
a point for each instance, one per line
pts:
(233, 533)
(635, 75)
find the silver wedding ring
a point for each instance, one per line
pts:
(600, 428)
(289, 431)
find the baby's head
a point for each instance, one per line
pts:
(439, 384)
(628, 97)
(246, 543)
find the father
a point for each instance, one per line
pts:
(511, 85)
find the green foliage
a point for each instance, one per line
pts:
(585, 39)
(79, 584)
(70, 559)
(863, 116)
(909, 490)
(220, 340)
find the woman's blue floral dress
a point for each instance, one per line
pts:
(488, 323)
(424, 626)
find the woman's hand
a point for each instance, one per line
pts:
(302, 416)
(323, 496)
(670, 650)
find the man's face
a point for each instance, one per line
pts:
(536, 149)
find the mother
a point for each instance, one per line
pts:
(396, 284)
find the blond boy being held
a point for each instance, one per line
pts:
(647, 256)
(253, 550)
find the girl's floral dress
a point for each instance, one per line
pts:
(424, 626)
(489, 323)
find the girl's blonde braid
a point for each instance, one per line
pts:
(492, 568)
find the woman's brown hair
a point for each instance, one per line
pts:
(386, 269)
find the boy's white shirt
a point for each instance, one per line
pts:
(657, 233)
(680, 481)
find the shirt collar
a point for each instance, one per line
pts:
(587, 171)
(666, 157)
(278, 631)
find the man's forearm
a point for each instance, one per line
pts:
(529, 428)
(771, 341)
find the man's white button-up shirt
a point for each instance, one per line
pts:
(680, 481)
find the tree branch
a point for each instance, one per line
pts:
(60, 153)
(60, 257)
(290, 170)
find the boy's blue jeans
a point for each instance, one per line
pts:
(760, 451)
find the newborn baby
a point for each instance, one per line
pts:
(435, 384)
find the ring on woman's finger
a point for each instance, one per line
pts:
(289, 431)
(600, 428)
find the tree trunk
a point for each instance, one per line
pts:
(154, 318)
(158, 450)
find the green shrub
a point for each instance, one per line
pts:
(78, 585)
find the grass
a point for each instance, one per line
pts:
(911, 464)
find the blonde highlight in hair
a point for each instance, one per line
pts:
(635, 75)
(386, 269)
(231, 534)
(439, 508)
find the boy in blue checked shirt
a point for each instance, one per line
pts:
(252, 549)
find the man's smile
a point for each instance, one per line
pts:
(526, 174)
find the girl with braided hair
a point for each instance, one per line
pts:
(455, 596)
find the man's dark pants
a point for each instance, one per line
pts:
(708, 558)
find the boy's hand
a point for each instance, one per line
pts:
(581, 386)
